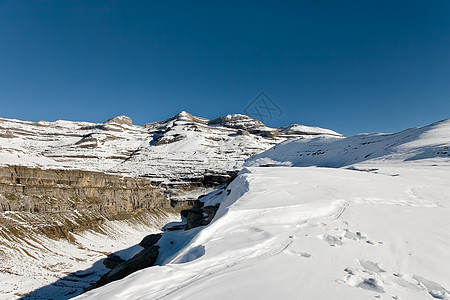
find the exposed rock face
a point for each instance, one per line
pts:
(199, 215)
(120, 120)
(63, 201)
(237, 121)
(36, 190)
(150, 240)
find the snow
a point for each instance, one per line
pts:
(429, 144)
(178, 149)
(328, 217)
(380, 228)
(302, 129)
(337, 225)
(194, 147)
(58, 269)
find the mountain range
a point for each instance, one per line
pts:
(177, 151)
(73, 192)
(223, 208)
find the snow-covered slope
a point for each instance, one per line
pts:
(318, 233)
(59, 268)
(188, 147)
(66, 144)
(429, 144)
(182, 148)
(184, 154)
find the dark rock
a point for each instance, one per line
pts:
(168, 139)
(172, 226)
(112, 261)
(199, 215)
(266, 133)
(150, 240)
(144, 259)
(243, 132)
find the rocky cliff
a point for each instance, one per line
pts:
(62, 201)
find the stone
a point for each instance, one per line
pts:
(112, 261)
(199, 215)
(144, 259)
(150, 240)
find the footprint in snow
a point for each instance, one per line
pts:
(359, 236)
(333, 241)
(434, 289)
(372, 276)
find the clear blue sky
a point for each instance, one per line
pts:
(352, 66)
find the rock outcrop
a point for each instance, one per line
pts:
(57, 202)
(36, 190)
(199, 215)
(144, 259)
(120, 120)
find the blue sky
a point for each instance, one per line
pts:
(352, 66)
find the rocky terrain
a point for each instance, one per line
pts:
(74, 180)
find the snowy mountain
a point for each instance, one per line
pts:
(178, 151)
(426, 144)
(72, 193)
(364, 217)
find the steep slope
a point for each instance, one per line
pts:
(54, 222)
(317, 233)
(61, 268)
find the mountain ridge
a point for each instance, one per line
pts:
(427, 143)
(178, 150)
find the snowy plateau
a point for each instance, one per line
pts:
(310, 215)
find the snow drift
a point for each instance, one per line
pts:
(318, 233)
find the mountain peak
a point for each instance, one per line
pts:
(182, 116)
(183, 113)
(120, 120)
